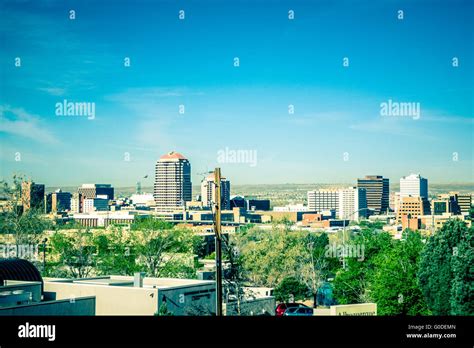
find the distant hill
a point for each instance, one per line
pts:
(281, 194)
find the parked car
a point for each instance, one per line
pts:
(282, 307)
(299, 311)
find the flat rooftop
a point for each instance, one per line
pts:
(113, 280)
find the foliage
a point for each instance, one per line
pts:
(445, 274)
(75, 251)
(290, 286)
(159, 245)
(269, 257)
(115, 252)
(394, 285)
(313, 263)
(350, 284)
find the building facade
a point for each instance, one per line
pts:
(76, 203)
(32, 195)
(414, 185)
(95, 190)
(208, 192)
(352, 203)
(321, 200)
(411, 207)
(377, 192)
(60, 201)
(95, 204)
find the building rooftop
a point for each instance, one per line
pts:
(113, 280)
(211, 177)
(172, 155)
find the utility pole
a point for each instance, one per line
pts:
(218, 238)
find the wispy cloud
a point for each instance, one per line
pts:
(433, 116)
(149, 95)
(18, 122)
(55, 91)
(391, 126)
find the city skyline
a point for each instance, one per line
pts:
(336, 133)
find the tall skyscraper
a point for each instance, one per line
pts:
(208, 190)
(32, 195)
(377, 191)
(321, 200)
(352, 203)
(173, 186)
(414, 185)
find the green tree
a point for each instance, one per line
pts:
(313, 263)
(116, 252)
(394, 284)
(351, 284)
(462, 290)
(74, 250)
(445, 274)
(269, 256)
(290, 286)
(163, 250)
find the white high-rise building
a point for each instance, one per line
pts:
(208, 192)
(414, 186)
(173, 186)
(321, 200)
(351, 201)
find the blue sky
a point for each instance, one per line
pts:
(190, 62)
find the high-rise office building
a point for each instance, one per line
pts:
(173, 186)
(352, 203)
(322, 200)
(377, 191)
(32, 195)
(414, 185)
(208, 192)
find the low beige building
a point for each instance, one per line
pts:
(127, 295)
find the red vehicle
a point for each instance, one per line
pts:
(282, 307)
